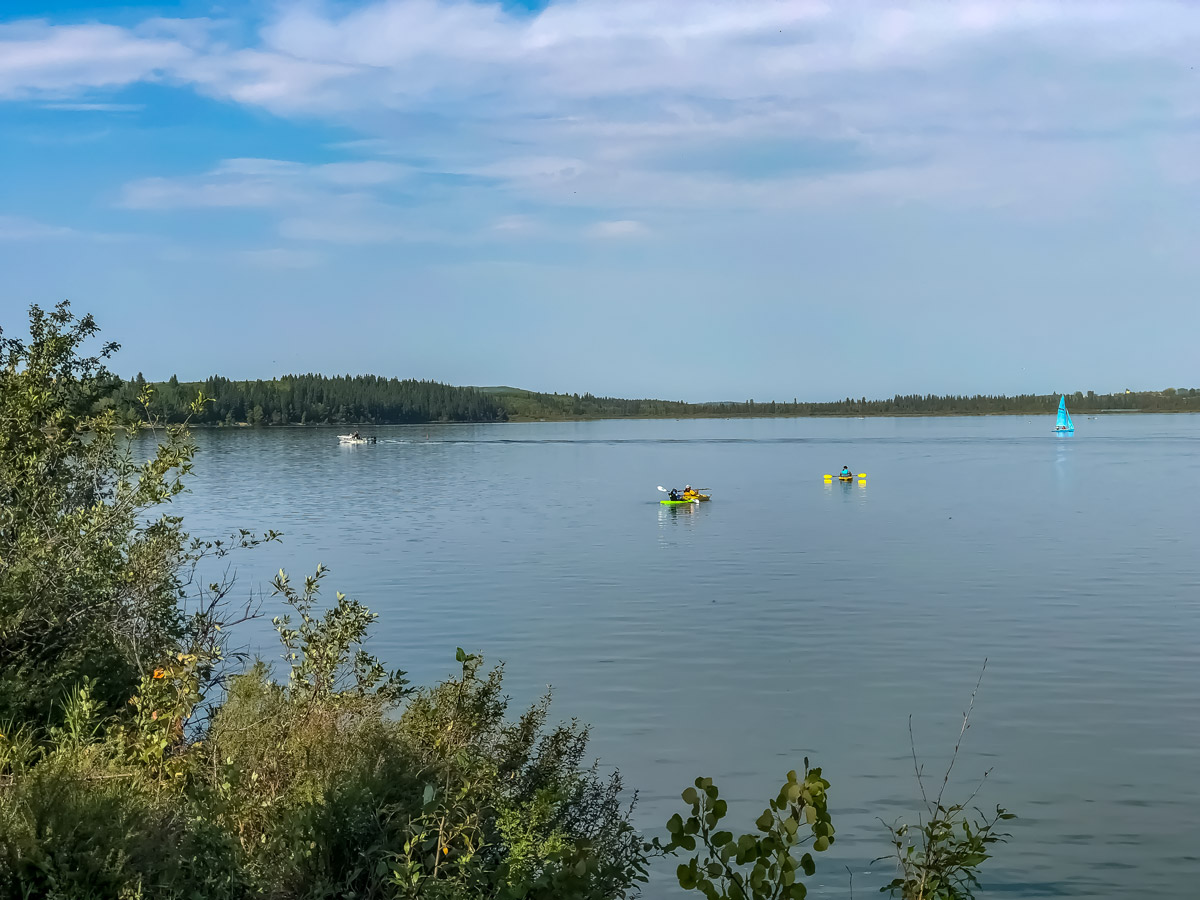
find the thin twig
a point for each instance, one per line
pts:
(962, 731)
(912, 743)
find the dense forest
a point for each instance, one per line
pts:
(371, 399)
(529, 405)
(315, 399)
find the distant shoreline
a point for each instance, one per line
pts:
(367, 399)
(524, 420)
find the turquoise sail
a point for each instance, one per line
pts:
(1064, 422)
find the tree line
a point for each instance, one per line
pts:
(530, 405)
(372, 399)
(311, 400)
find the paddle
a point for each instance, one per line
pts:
(851, 475)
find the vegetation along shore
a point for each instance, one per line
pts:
(371, 399)
(142, 755)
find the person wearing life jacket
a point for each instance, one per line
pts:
(674, 495)
(846, 473)
(689, 494)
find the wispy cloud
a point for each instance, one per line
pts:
(620, 228)
(22, 228)
(95, 107)
(281, 258)
(515, 225)
(258, 183)
(18, 228)
(345, 229)
(41, 59)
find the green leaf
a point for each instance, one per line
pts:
(687, 880)
(721, 838)
(821, 844)
(690, 796)
(460, 655)
(765, 821)
(675, 824)
(758, 874)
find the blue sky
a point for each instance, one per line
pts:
(693, 200)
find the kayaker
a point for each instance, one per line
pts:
(846, 473)
(674, 495)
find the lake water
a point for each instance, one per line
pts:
(788, 617)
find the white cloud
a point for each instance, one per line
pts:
(95, 107)
(609, 106)
(344, 229)
(37, 58)
(262, 183)
(394, 54)
(620, 228)
(21, 228)
(515, 225)
(281, 258)
(18, 228)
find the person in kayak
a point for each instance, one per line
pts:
(846, 473)
(688, 493)
(674, 495)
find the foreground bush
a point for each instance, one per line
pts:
(338, 782)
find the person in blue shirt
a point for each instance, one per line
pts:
(846, 473)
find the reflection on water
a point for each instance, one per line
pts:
(789, 617)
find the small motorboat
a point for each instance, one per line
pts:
(355, 438)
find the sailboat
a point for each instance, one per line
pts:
(1064, 425)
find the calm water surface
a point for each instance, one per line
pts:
(789, 618)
